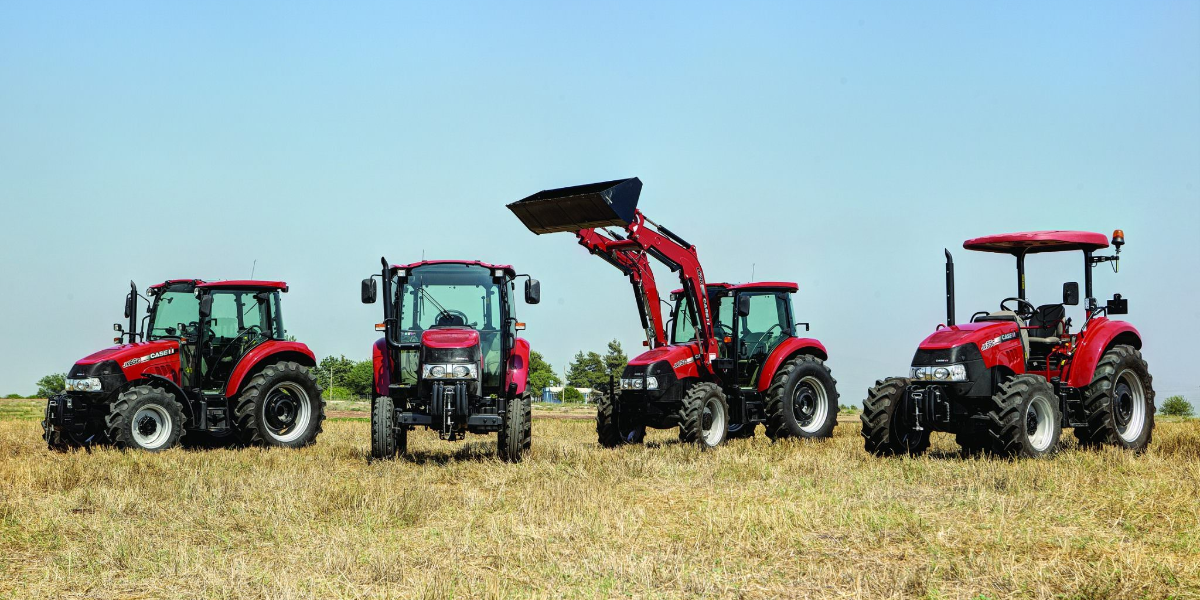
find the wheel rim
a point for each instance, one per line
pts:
(1129, 406)
(151, 426)
(810, 404)
(287, 412)
(713, 422)
(1039, 423)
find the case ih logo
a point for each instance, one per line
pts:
(686, 361)
(151, 356)
(997, 340)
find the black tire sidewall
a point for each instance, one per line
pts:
(383, 433)
(266, 381)
(130, 402)
(817, 370)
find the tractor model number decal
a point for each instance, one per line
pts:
(151, 356)
(686, 361)
(997, 340)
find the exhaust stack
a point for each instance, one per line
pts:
(949, 289)
(604, 204)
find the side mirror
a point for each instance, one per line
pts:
(1071, 293)
(533, 291)
(129, 306)
(743, 306)
(1117, 306)
(369, 290)
(206, 306)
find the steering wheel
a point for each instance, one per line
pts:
(1024, 308)
(726, 330)
(762, 341)
(446, 318)
(251, 329)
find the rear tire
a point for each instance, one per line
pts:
(387, 440)
(802, 400)
(1024, 420)
(515, 437)
(280, 406)
(608, 431)
(885, 427)
(145, 418)
(1119, 403)
(704, 417)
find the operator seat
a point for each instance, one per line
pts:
(1008, 315)
(1048, 324)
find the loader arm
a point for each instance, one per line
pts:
(629, 255)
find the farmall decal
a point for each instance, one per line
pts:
(686, 361)
(996, 340)
(148, 357)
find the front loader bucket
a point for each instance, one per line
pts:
(604, 204)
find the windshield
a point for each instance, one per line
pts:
(450, 295)
(174, 310)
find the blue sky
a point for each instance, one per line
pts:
(839, 146)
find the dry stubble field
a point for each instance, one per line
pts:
(752, 519)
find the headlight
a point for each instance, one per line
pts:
(87, 384)
(651, 383)
(939, 373)
(450, 371)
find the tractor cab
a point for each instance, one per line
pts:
(240, 316)
(750, 319)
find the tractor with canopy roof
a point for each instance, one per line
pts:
(212, 360)
(1009, 380)
(727, 359)
(450, 359)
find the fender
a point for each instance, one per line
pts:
(382, 367)
(518, 366)
(789, 348)
(174, 388)
(294, 351)
(1099, 335)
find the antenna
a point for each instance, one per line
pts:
(751, 271)
(252, 266)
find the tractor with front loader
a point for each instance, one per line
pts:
(212, 361)
(1010, 380)
(726, 360)
(450, 359)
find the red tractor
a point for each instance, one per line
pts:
(450, 359)
(733, 359)
(214, 363)
(1011, 379)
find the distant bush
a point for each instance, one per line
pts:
(846, 408)
(570, 394)
(13, 397)
(1177, 406)
(51, 385)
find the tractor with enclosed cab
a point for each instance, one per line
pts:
(727, 358)
(1008, 381)
(212, 361)
(450, 359)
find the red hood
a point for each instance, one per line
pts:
(450, 338)
(126, 352)
(999, 342)
(680, 357)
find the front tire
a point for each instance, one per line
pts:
(280, 406)
(387, 440)
(515, 437)
(608, 431)
(802, 400)
(704, 417)
(886, 428)
(1119, 403)
(145, 418)
(1024, 420)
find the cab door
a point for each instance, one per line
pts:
(240, 320)
(765, 324)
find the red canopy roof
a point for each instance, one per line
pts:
(507, 268)
(786, 286)
(1030, 242)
